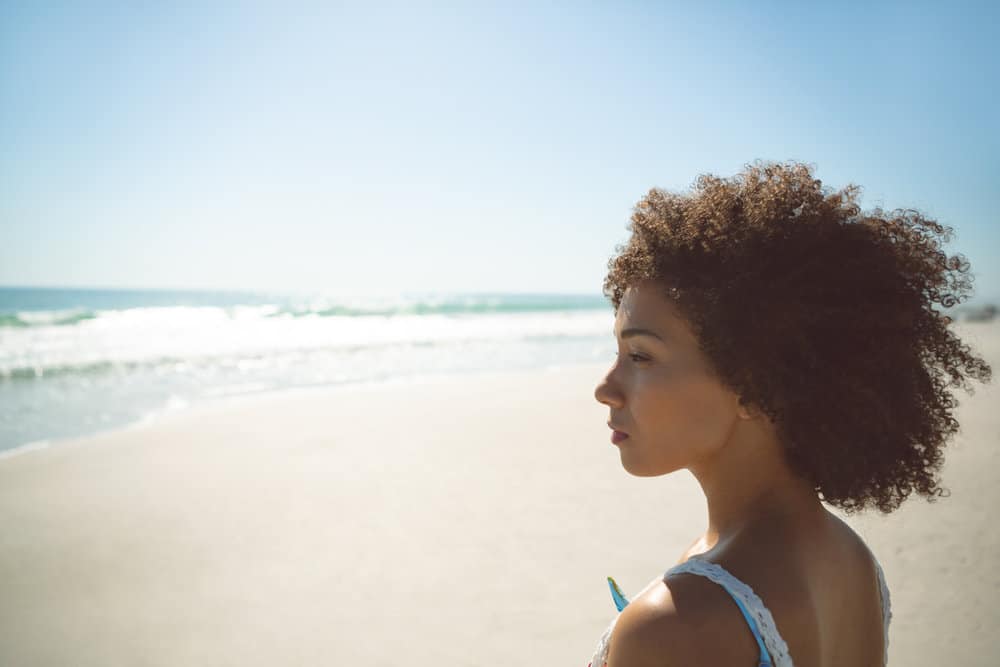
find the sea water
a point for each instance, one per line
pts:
(75, 362)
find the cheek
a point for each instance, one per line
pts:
(688, 411)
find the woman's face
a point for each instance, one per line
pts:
(661, 391)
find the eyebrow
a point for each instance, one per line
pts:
(628, 333)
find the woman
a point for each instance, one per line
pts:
(782, 345)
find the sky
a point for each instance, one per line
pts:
(461, 147)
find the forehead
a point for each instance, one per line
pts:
(646, 307)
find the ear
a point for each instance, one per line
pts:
(746, 411)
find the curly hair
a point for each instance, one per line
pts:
(821, 316)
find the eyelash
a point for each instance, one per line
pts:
(635, 357)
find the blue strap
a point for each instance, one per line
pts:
(765, 658)
(616, 594)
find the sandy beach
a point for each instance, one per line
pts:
(451, 521)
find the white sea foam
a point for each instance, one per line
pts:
(181, 334)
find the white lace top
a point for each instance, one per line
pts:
(768, 631)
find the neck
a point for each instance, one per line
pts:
(748, 482)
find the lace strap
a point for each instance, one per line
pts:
(776, 646)
(886, 607)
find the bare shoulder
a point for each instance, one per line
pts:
(681, 622)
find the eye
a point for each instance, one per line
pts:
(636, 358)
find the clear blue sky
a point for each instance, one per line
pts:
(396, 147)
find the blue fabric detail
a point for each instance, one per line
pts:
(765, 659)
(616, 594)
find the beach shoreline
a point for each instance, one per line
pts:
(229, 401)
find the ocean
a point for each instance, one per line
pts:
(79, 361)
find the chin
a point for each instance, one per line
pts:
(645, 469)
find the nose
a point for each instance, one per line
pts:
(608, 392)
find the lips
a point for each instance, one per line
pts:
(617, 435)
